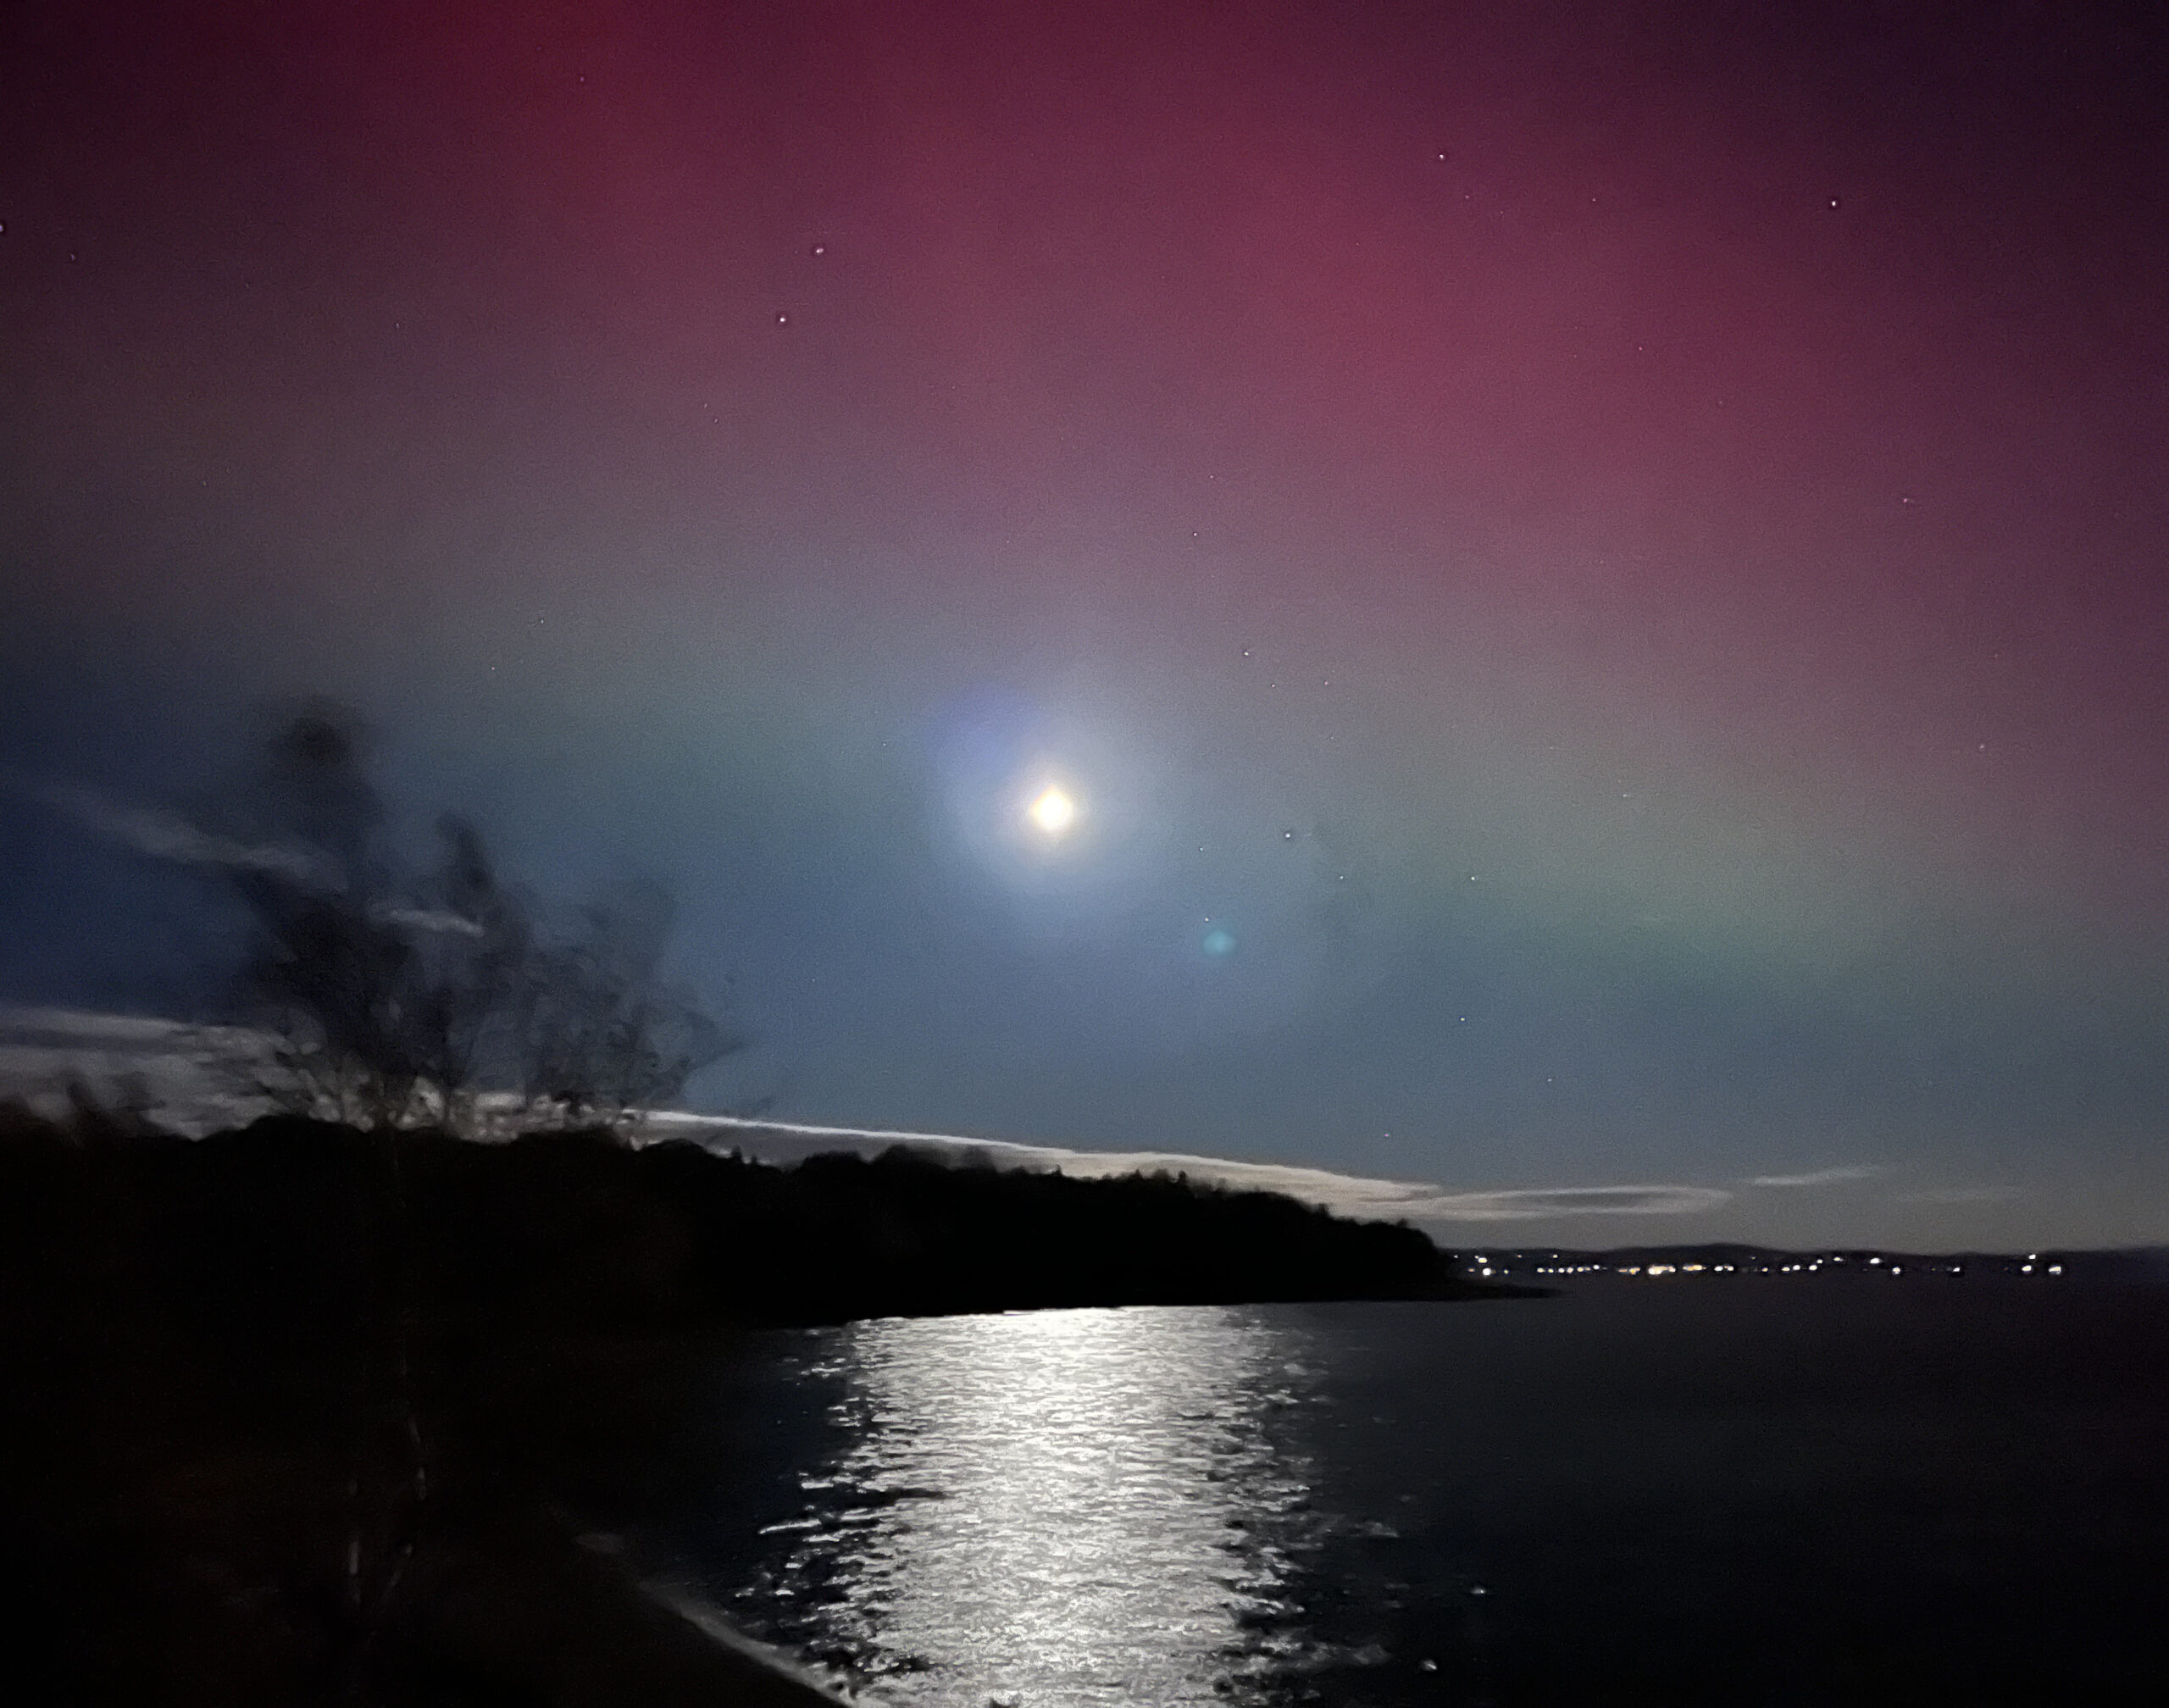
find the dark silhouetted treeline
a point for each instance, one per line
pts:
(298, 1414)
(301, 1225)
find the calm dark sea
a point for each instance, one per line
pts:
(1718, 1491)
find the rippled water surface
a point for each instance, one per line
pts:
(1074, 1505)
(1735, 1496)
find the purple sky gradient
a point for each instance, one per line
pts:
(1617, 553)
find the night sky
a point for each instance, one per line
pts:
(1596, 575)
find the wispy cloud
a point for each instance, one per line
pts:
(1820, 1176)
(83, 1027)
(1532, 1203)
(189, 1073)
(164, 835)
(1347, 1194)
(39, 1048)
(786, 1141)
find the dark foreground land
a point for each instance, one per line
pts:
(298, 1413)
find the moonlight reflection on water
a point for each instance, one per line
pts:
(1074, 1506)
(1714, 1494)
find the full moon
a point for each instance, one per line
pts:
(1053, 812)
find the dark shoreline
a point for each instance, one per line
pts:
(579, 1228)
(294, 1405)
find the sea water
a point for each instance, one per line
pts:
(1737, 1491)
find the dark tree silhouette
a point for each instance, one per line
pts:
(602, 1036)
(332, 970)
(398, 998)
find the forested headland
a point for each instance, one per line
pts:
(309, 1223)
(305, 1412)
